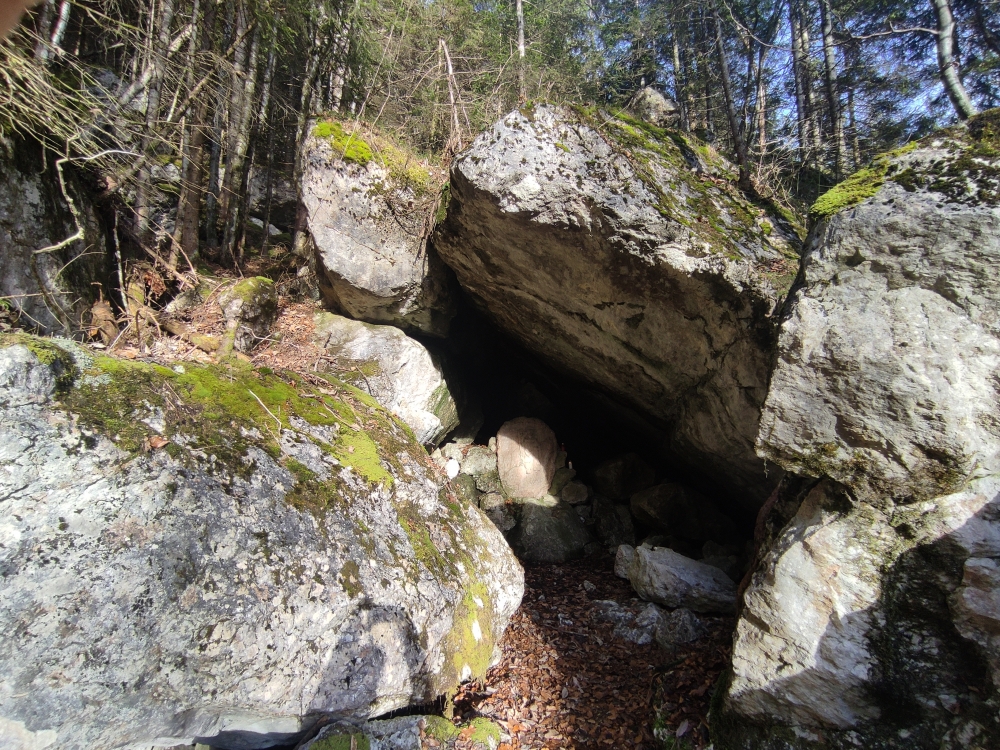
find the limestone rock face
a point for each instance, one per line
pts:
(594, 251)
(526, 457)
(662, 576)
(231, 584)
(34, 215)
(872, 619)
(370, 235)
(399, 370)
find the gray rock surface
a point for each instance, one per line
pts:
(478, 460)
(650, 105)
(592, 249)
(232, 584)
(678, 628)
(623, 560)
(680, 511)
(34, 215)
(872, 618)
(575, 493)
(370, 235)
(395, 369)
(526, 457)
(548, 534)
(662, 576)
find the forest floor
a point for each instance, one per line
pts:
(565, 681)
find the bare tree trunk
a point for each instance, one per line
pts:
(192, 141)
(521, 90)
(60, 30)
(241, 127)
(727, 88)
(947, 64)
(832, 95)
(808, 135)
(158, 59)
(680, 84)
(760, 105)
(44, 30)
(455, 140)
(212, 196)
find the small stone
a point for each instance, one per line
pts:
(623, 560)
(589, 587)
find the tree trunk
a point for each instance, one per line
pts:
(947, 64)
(158, 61)
(680, 84)
(832, 94)
(727, 89)
(521, 90)
(808, 136)
(760, 105)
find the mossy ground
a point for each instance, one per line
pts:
(356, 741)
(480, 731)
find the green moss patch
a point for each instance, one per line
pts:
(349, 146)
(406, 170)
(470, 642)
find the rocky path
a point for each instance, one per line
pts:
(565, 681)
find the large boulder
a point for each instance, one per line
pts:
(221, 556)
(369, 217)
(50, 289)
(548, 533)
(526, 457)
(665, 577)
(595, 244)
(652, 106)
(394, 368)
(872, 616)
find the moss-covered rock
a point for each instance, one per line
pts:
(279, 538)
(961, 164)
(370, 207)
(394, 368)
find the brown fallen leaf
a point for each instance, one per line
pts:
(157, 441)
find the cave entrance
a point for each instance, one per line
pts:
(587, 661)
